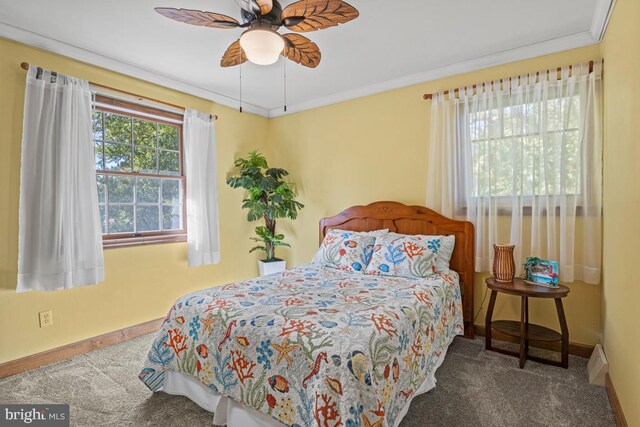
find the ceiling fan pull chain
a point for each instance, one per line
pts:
(240, 82)
(284, 61)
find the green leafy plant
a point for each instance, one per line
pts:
(269, 197)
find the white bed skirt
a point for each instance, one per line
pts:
(225, 411)
(233, 414)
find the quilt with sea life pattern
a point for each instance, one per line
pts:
(312, 346)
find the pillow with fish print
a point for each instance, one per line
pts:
(345, 250)
(445, 250)
(404, 255)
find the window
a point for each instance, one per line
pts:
(141, 184)
(530, 145)
(526, 149)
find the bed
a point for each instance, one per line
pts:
(316, 345)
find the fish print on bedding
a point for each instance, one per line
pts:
(312, 346)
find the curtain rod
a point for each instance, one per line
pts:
(25, 66)
(455, 91)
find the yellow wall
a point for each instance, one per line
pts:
(373, 148)
(621, 292)
(376, 148)
(142, 282)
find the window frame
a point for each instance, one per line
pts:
(143, 112)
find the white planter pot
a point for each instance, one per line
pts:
(271, 267)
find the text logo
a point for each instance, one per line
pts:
(34, 415)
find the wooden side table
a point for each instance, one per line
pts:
(524, 330)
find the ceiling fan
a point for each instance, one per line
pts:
(261, 43)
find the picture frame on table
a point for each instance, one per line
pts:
(542, 272)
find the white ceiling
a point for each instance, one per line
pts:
(391, 44)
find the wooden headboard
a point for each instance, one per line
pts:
(405, 219)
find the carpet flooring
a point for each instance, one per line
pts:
(475, 388)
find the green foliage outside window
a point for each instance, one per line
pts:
(129, 203)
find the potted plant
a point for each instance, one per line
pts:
(269, 197)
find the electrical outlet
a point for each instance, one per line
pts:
(46, 318)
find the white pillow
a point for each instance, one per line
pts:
(444, 256)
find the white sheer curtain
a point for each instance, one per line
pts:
(202, 188)
(60, 241)
(522, 160)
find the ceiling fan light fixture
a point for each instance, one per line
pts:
(262, 46)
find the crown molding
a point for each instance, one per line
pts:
(601, 16)
(594, 35)
(56, 46)
(512, 55)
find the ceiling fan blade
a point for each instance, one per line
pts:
(300, 49)
(312, 15)
(265, 6)
(198, 17)
(248, 6)
(233, 56)
(256, 7)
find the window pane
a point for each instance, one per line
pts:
(145, 160)
(120, 219)
(99, 154)
(117, 128)
(574, 115)
(171, 217)
(120, 189)
(144, 133)
(169, 162)
(130, 202)
(103, 220)
(148, 190)
(102, 182)
(526, 149)
(147, 218)
(171, 191)
(572, 162)
(168, 137)
(97, 125)
(117, 157)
